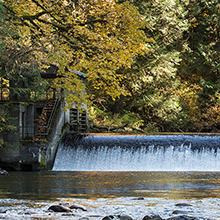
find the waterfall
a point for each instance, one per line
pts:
(138, 153)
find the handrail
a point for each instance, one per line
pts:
(49, 123)
(52, 115)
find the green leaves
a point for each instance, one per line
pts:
(95, 37)
(160, 57)
(5, 126)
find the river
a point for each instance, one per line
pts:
(131, 175)
(28, 195)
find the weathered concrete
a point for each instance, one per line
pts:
(48, 152)
(24, 152)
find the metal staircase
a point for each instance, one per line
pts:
(46, 119)
(78, 120)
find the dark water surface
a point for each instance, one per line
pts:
(50, 185)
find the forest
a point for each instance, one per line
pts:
(151, 65)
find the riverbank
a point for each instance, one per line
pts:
(99, 208)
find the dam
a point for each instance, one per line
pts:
(138, 153)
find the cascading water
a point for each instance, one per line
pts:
(138, 153)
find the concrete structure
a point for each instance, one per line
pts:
(39, 127)
(25, 152)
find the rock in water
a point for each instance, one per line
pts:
(3, 172)
(117, 217)
(138, 198)
(68, 214)
(64, 204)
(183, 204)
(179, 212)
(183, 217)
(153, 217)
(59, 208)
(30, 213)
(74, 206)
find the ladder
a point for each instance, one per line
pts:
(78, 120)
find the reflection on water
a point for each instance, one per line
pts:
(107, 193)
(50, 185)
(112, 192)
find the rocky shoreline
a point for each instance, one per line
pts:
(63, 207)
(66, 210)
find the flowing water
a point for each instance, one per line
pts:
(139, 153)
(126, 175)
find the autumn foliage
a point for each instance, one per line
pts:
(153, 64)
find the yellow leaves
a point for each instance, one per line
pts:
(65, 2)
(195, 24)
(189, 98)
(22, 7)
(97, 37)
(74, 88)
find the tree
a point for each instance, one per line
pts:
(200, 64)
(96, 37)
(152, 80)
(4, 117)
(174, 86)
(19, 72)
(187, 34)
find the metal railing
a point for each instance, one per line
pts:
(46, 129)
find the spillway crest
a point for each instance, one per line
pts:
(138, 153)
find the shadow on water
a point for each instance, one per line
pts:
(72, 184)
